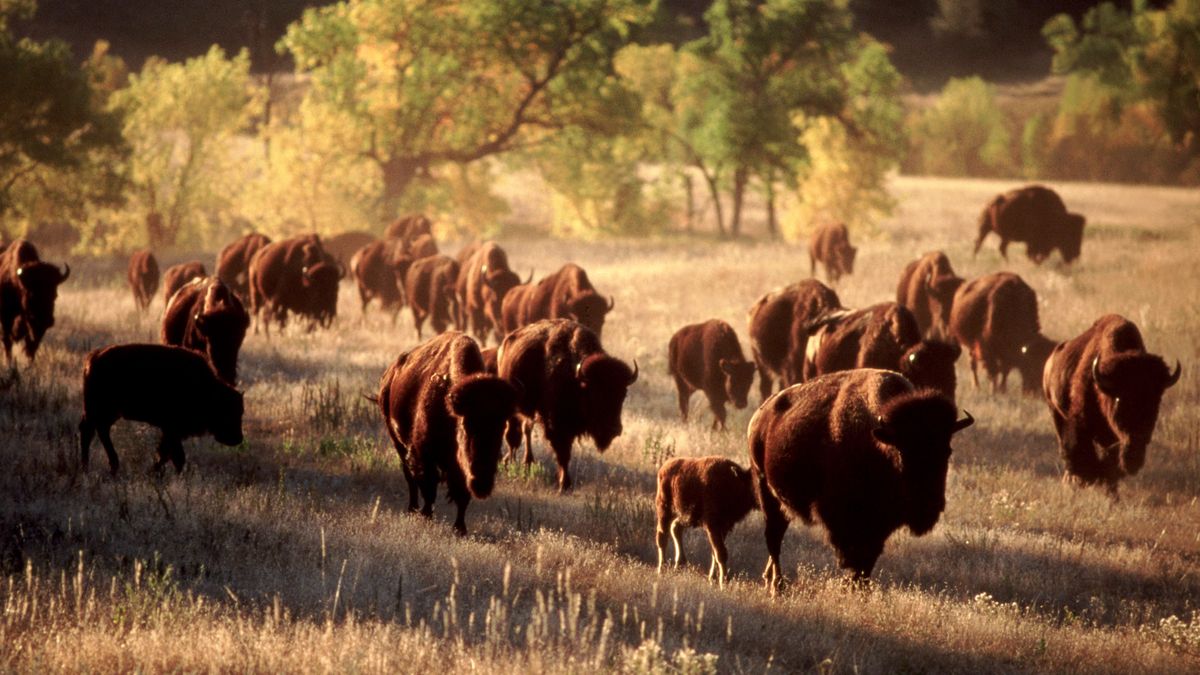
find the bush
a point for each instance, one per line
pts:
(962, 134)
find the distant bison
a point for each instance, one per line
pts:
(1105, 390)
(379, 269)
(429, 286)
(514, 307)
(28, 291)
(830, 246)
(409, 227)
(171, 388)
(429, 396)
(178, 275)
(569, 384)
(1037, 216)
(708, 357)
(864, 450)
(207, 317)
(483, 281)
(294, 275)
(927, 288)
(233, 262)
(995, 319)
(143, 278)
(779, 324)
(568, 294)
(710, 492)
(421, 246)
(344, 245)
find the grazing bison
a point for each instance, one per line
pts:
(233, 262)
(995, 319)
(294, 275)
(1037, 216)
(28, 291)
(710, 492)
(409, 227)
(177, 275)
(830, 245)
(429, 285)
(567, 294)
(206, 316)
(379, 269)
(569, 384)
(708, 357)
(344, 245)
(779, 330)
(430, 395)
(143, 278)
(881, 336)
(1104, 390)
(483, 281)
(864, 450)
(171, 388)
(927, 288)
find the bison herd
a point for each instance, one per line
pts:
(858, 432)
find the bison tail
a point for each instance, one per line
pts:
(373, 398)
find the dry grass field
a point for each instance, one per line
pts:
(293, 552)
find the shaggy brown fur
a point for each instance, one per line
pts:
(28, 291)
(233, 262)
(567, 294)
(1037, 216)
(483, 282)
(779, 324)
(179, 275)
(830, 245)
(710, 492)
(379, 269)
(927, 288)
(707, 357)
(429, 285)
(995, 319)
(294, 275)
(207, 317)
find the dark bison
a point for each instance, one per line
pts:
(569, 384)
(995, 319)
(233, 262)
(707, 357)
(429, 285)
(207, 317)
(344, 245)
(409, 227)
(428, 396)
(881, 336)
(514, 308)
(483, 281)
(28, 291)
(710, 492)
(1037, 216)
(1104, 391)
(294, 275)
(567, 294)
(379, 269)
(830, 245)
(927, 288)
(171, 388)
(177, 275)
(779, 324)
(143, 277)
(864, 449)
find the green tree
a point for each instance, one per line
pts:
(964, 132)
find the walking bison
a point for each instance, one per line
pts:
(207, 317)
(28, 292)
(779, 324)
(707, 357)
(714, 493)
(1036, 215)
(143, 278)
(830, 246)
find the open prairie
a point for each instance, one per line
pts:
(294, 552)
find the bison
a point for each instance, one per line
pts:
(1037, 216)
(207, 317)
(927, 288)
(830, 245)
(421, 246)
(708, 357)
(779, 330)
(429, 285)
(863, 449)
(567, 294)
(172, 388)
(143, 278)
(569, 384)
(379, 269)
(1104, 390)
(514, 308)
(995, 319)
(429, 397)
(483, 281)
(177, 275)
(710, 492)
(344, 245)
(233, 262)
(28, 291)
(409, 227)
(294, 275)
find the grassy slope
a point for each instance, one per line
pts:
(294, 552)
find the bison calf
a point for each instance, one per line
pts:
(710, 492)
(708, 357)
(171, 388)
(830, 246)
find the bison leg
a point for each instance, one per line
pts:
(720, 556)
(527, 427)
(985, 229)
(106, 441)
(418, 320)
(428, 487)
(665, 517)
(718, 410)
(812, 265)
(1003, 247)
(685, 395)
(858, 557)
(562, 455)
(172, 448)
(776, 525)
(409, 479)
(457, 488)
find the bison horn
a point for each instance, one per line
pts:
(611, 303)
(633, 378)
(1175, 375)
(965, 422)
(1105, 385)
(62, 276)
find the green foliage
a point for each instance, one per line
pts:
(963, 133)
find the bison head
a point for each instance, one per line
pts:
(919, 426)
(320, 285)
(1070, 242)
(941, 291)
(39, 283)
(484, 404)
(603, 382)
(225, 414)
(589, 309)
(1032, 361)
(1132, 385)
(930, 364)
(739, 375)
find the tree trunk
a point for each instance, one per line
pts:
(772, 222)
(715, 194)
(740, 177)
(690, 190)
(398, 174)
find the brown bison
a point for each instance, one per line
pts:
(177, 275)
(1037, 216)
(344, 245)
(779, 330)
(830, 245)
(172, 388)
(995, 319)
(483, 281)
(233, 262)
(28, 291)
(409, 227)
(864, 450)
(429, 285)
(1104, 390)
(710, 492)
(379, 269)
(294, 275)
(567, 294)
(421, 246)
(707, 357)
(430, 395)
(569, 384)
(514, 308)
(881, 336)
(143, 278)
(207, 317)
(927, 288)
